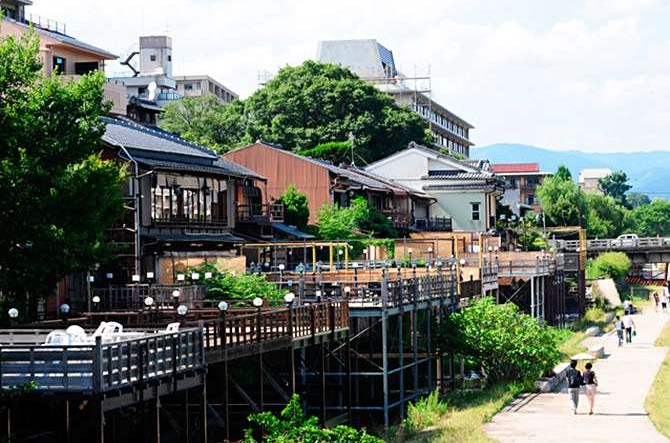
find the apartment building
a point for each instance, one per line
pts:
(60, 53)
(375, 63)
(199, 85)
(521, 183)
(589, 178)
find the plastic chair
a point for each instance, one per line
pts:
(58, 337)
(77, 334)
(172, 327)
(100, 329)
(112, 327)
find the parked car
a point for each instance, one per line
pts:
(627, 240)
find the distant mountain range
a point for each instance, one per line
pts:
(648, 172)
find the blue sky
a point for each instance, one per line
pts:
(570, 74)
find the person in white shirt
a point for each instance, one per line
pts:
(626, 306)
(664, 300)
(618, 325)
(628, 325)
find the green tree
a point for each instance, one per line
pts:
(58, 196)
(508, 344)
(336, 152)
(296, 207)
(615, 185)
(198, 119)
(562, 202)
(605, 217)
(636, 199)
(336, 222)
(308, 105)
(293, 426)
(226, 285)
(652, 219)
(611, 265)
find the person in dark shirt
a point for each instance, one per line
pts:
(575, 381)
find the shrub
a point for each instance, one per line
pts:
(508, 344)
(611, 265)
(425, 412)
(226, 285)
(296, 207)
(293, 426)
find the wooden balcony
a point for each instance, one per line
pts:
(263, 213)
(191, 222)
(434, 224)
(132, 296)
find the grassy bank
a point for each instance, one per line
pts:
(467, 412)
(657, 402)
(571, 339)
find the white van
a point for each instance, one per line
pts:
(627, 240)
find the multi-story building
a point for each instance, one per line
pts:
(521, 182)
(589, 179)
(375, 63)
(60, 53)
(199, 85)
(153, 79)
(465, 191)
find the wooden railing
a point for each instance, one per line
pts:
(434, 224)
(100, 366)
(262, 212)
(133, 296)
(521, 268)
(189, 222)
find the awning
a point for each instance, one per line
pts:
(194, 238)
(291, 230)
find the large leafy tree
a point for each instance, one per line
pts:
(652, 219)
(635, 199)
(562, 202)
(305, 106)
(58, 196)
(615, 185)
(605, 217)
(508, 344)
(611, 265)
(199, 119)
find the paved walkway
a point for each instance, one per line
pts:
(624, 378)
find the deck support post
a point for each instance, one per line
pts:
(101, 421)
(187, 401)
(347, 356)
(401, 360)
(157, 413)
(385, 363)
(323, 383)
(68, 437)
(204, 408)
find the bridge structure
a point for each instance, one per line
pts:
(640, 250)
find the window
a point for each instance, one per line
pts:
(59, 65)
(530, 199)
(475, 211)
(152, 58)
(82, 68)
(169, 58)
(188, 86)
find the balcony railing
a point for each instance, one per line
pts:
(434, 224)
(189, 222)
(260, 213)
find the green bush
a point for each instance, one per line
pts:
(293, 426)
(226, 285)
(508, 344)
(425, 412)
(296, 207)
(611, 265)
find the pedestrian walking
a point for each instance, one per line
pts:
(575, 381)
(656, 300)
(628, 325)
(627, 307)
(664, 300)
(591, 382)
(618, 326)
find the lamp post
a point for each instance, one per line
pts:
(289, 298)
(258, 303)
(430, 255)
(409, 253)
(13, 314)
(182, 310)
(148, 302)
(223, 309)
(89, 279)
(96, 303)
(175, 297)
(64, 310)
(347, 292)
(281, 268)
(339, 252)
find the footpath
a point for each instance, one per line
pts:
(624, 378)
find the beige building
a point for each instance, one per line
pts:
(60, 53)
(199, 85)
(589, 178)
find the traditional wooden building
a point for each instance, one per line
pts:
(325, 183)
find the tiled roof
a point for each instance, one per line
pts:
(459, 176)
(228, 168)
(135, 136)
(466, 164)
(235, 168)
(400, 188)
(502, 168)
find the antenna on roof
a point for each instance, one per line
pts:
(351, 142)
(152, 90)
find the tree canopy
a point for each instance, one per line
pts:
(301, 108)
(562, 202)
(611, 265)
(59, 196)
(652, 219)
(605, 217)
(615, 185)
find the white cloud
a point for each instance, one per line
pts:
(575, 74)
